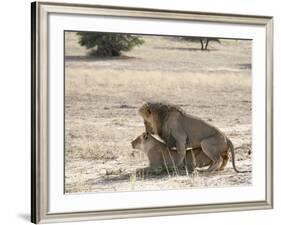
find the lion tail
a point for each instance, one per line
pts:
(230, 145)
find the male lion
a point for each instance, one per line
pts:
(159, 155)
(172, 123)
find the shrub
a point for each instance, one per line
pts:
(108, 44)
(204, 41)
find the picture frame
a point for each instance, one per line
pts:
(41, 89)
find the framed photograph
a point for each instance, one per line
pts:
(146, 112)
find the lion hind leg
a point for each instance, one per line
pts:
(215, 166)
(225, 159)
(209, 147)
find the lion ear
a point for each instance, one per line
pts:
(148, 111)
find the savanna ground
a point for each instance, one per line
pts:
(102, 96)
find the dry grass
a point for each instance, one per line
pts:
(102, 97)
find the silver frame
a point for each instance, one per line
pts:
(39, 99)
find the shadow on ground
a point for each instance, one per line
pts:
(185, 49)
(87, 58)
(153, 176)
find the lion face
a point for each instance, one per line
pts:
(148, 127)
(145, 112)
(140, 141)
(150, 118)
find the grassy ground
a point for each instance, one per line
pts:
(102, 96)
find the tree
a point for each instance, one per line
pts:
(108, 44)
(204, 41)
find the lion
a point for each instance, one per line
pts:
(159, 155)
(170, 122)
